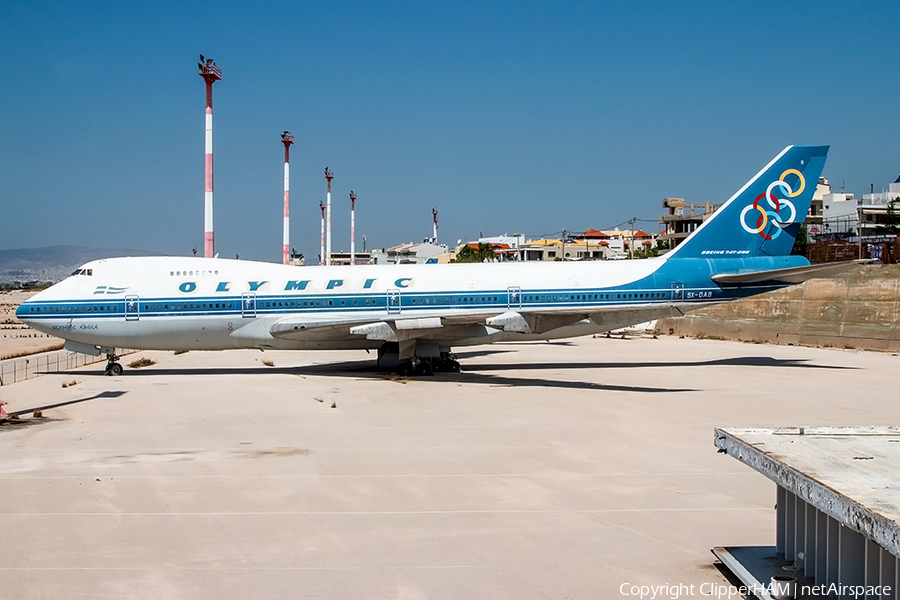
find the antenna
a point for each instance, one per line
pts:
(210, 74)
(434, 214)
(352, 227)
(287, 139)
(322, 242)
(328, 176)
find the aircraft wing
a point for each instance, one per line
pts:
(393, 327)
(790, 275)
(607, 318)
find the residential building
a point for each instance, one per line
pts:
(557, 249)
(814, 217)
(839, 217)
(410, 254)
(343, 258)
(874, 210)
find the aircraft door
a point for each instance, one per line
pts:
(514, 297)
(132, 308)
(677, 292)
(248, 305)
(393, 301)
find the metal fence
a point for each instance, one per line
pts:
(29, 367)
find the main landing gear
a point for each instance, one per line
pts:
(417, 359)
(446, 363)
(113, 367)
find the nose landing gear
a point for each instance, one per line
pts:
(113, 367)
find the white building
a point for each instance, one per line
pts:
(839, 214)
(842, 214)
(410, 254)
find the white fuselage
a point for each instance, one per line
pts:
(172, 303)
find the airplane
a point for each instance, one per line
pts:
(413, 315)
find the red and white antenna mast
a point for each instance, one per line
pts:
(287, 139)
(322, 244)
(210, 74)
(434, 216)
(329, 176)
(352, 227)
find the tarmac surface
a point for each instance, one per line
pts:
(559, 470)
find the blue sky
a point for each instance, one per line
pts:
(527, 117)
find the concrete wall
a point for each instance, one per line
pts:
(860, 309)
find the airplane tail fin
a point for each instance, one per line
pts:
(763, 217)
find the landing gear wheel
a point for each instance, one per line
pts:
(424, 368)
(114, 369)
(112, 365)
(404, 369)
(447, 363)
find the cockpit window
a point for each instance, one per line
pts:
(88, 272)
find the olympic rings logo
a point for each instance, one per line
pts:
(776, 206)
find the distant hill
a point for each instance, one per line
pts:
(54, 262)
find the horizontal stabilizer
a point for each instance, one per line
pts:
(789, 275)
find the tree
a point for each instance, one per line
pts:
(468, 254)
(646, 253)
(801, 242)
(892, 219)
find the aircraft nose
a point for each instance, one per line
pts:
(24, 311)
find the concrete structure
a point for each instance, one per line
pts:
(857, 309)
(287, 139)
(541, 471)
(683, 219)
(210, 74)
(837, 508)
